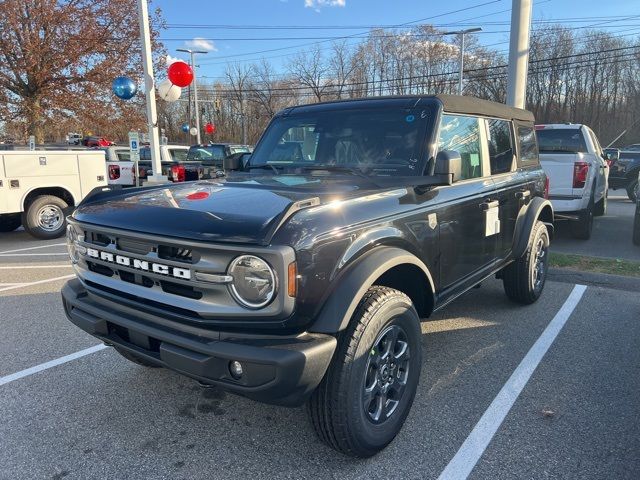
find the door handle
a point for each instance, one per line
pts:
(487, 204)
(522, 195)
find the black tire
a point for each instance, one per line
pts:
(632, 190)
(8, 223)
(582, 228)
(524, 279)
(636, 226)
(601, 207)
(132, 357)
(45, 217)
(337, 408)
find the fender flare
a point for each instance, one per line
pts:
(539, 208)
(352, 284)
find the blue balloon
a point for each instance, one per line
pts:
(185, 127)
(124, 88)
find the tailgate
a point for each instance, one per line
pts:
(559, 169)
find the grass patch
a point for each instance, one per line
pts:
(582, 263)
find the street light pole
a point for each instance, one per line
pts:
(462, 33)
(150, 93)
(195, 86)
(518, 53)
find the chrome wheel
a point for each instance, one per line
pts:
(386, 374)
(50, 218)
(540, 264)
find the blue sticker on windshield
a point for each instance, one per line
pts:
(409, 118)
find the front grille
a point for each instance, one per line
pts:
(138, 302)
(134, 246)
(176, 254)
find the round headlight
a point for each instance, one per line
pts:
(72, 238)
(254, 281)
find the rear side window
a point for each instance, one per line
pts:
(527, 144)
(500, 146)
(561, 140)
(178, 154)
(462, 134)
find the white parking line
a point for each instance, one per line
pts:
(474, 446)
(36, 283)
(51, 364)
(31, 254)
(20, 267)
(34, 248)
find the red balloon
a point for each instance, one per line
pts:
(180, 74)
(210, 128)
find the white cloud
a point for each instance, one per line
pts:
(201, 44)
(318, 4)
(169, 60)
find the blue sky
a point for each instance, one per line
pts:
(201, 19)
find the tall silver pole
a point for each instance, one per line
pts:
(195, 96)
(461, 63)
(150, 93)
(518, 53)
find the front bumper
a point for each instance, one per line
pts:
(277, 370)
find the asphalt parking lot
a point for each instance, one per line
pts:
(551, 390)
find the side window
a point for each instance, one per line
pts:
(462, 134)
(528, 146)
(500, 146)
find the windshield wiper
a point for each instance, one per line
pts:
(265, 166)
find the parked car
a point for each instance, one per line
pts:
(174, 164)
(212, 156)
(578, 174)
(625, 167)
(96, 142)
(304, 280)
(635, 147)
(120, 168)
(74, 138)
(38, 189)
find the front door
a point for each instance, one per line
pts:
(468, 209)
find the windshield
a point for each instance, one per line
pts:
(207, 153)
(380, 141)
(178, 154)
(569, 140)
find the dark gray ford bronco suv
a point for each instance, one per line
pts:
(302, 276)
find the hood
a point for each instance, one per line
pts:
(234, 211)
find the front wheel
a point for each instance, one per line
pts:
(524, 279)
(45, 217)
(582, 228)
(363, 400)
(632, 190)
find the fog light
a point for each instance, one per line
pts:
(235, 369)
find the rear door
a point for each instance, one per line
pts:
(511, 189)
(602, 166)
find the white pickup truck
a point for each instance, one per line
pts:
(578, 174)
(39, 188)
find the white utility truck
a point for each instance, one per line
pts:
(39, 188)
(578, 173)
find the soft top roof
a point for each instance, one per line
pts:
(450, 103)
(477, 106)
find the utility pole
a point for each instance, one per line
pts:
(518, 53)
(462, 33)
(150, 93)
(195, 86)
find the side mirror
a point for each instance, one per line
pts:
(611, 154)
(448, 162)
(231, 163)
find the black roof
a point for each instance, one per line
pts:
(450, 104)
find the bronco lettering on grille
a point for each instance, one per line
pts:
(144, 265)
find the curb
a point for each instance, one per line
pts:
(604, 280)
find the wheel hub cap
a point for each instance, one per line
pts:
(386, 374)
(50, 218)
